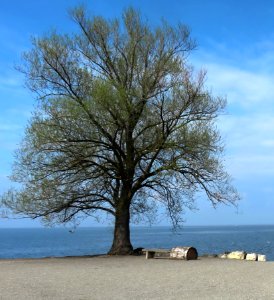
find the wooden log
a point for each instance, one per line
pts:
(187, 253)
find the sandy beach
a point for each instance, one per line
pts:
(105, 277)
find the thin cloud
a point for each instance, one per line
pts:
(12, 81)
(248, 127)
(251, 166)
(244, 88)
(249, 144)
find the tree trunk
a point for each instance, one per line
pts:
(121, 241)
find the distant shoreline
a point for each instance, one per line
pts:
(136, 226)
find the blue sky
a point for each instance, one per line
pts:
(235, 45)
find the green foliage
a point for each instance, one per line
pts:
(122, 121)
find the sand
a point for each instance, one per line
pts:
(105, 277)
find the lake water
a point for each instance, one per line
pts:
(56, 242)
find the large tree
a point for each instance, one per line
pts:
(122, 123)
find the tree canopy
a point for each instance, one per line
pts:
(122, 123)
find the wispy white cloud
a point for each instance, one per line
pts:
(242, 87)
(248, 127)
(11, 80)
(250, 166)
(249, 143)
(246, 130)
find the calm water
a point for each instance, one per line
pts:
(44, 242)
